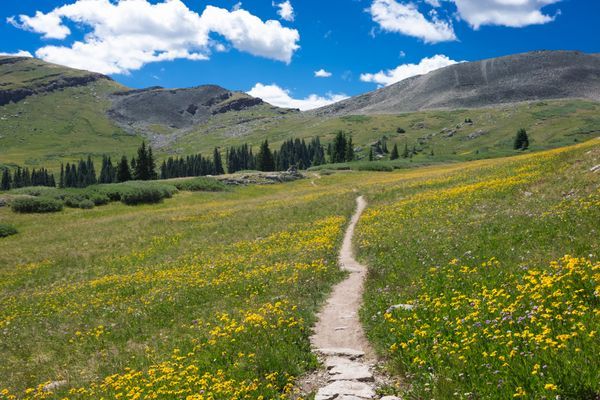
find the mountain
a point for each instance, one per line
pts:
(539, 75)
(51, 114)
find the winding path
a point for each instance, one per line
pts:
(339, 338)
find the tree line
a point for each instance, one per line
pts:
(295, 153)
(22, 177)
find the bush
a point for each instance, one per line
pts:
(7, 230)
(36, 191)
(86, 204)
(200, 184)
(36, 205)
(142, 195)
(136, 192)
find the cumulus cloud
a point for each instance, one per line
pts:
(277, 96)
(406, 19)
(404, 71)
(20, 53)
(511, 13)
(127, 34)
(286, 10)
(322, 73)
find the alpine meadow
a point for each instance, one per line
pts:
(321, 231)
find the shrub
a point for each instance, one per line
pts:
(36, 205)
(7, 230)
(36, 191)
(86, 204)
(200, 184)
(142, 195)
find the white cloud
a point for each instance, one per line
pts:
(404, 71)
(512, 13)
(322, 73)
(280, 97)
(20, 53)
(286, 10)
(127, 34)
(405, 18)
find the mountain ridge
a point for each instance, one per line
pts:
(531, 76)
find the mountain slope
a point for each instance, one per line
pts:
(540, 75)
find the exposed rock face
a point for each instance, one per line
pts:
(177, 108)
(531, 76)
(45, 85)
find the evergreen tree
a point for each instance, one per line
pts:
(264, 158)
(405, 153)
(349, 150)
(384, 147)
(151, 165)
(370, 153)
(521, 140)
(339, 148)
(394, 155)
(140, 168)
(123, 171)
(61, 182)
(6, 182)
(218, 164)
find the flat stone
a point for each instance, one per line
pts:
(334, 361)
(390, 398)
(341, 328)
(341, 352)
(339, 389)
(350, 372)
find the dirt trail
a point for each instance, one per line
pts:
(339, 325)
(339, 338)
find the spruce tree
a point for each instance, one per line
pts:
(123, 171)
(521, 140)
(370, 153)
(217, 162)
(150, 165)
(349, 156)
(6, 180)
(405, 153)
(61, 182)
(394, 155)
(264, 158)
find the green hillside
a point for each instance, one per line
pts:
(65, 124)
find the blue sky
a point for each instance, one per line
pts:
(281, 44)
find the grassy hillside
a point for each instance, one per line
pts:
(213, 294)
(64, 125)
(550, 124)
(500, 261)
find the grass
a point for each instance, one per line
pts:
(219, 286)
(212, 294)
(500, 261)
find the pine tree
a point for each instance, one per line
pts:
(140, 170)
(6, 180)
(405, 153)
(349, 156)
(370, 153)
(218, 164)
(150, 165)
(123, 171)
(61, 182)
(521, 140)
(394, 155)
(264, 159)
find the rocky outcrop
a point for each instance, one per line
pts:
(176, 108)
(59, 83)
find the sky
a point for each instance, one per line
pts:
(291, 53)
